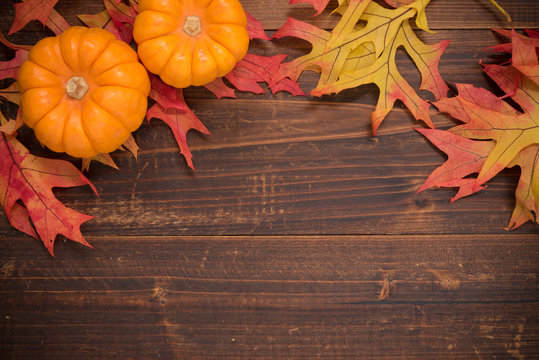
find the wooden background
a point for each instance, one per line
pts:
(300, 235)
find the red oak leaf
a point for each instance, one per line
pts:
(508, 47)
(253, 69)
(101, 20)
(180, 122)
(166, 95)
(31, 10)
(465, 157)
(30, 179)
(494, 135)
(527, 191)
(56, 22)
(10, 127)
(11, 93)
(123, 17)
(10, 69)
(129, 145)
(20, 220)
(481, 97)
(319, 5)
(220, 89)
(255, 28)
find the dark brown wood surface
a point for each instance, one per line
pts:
(300, 235)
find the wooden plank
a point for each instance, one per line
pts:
(408, 331)
(441, 14)
(453, 297)
(201, 264)
(472, 268)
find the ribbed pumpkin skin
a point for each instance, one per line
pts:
(114, 105)
(182, 59)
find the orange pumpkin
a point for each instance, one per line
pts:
(190, 42)
(83, 92)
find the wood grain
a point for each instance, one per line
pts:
(264, 297)
(298, 236)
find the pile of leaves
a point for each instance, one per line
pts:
(360, 49)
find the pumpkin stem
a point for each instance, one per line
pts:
(76, 87)
(192, 26)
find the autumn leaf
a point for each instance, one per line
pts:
(20, 220)
(118, 18)
(123, 17)
(30, 10)
(170, 107)
(11, 93)
(30, 179)
(253, 69)
(101, 20)
(56, 22)
(180, 123)
(10, 69)
(11, 126)
(131, 145)
(494, 135)
(319, 5)
(166, 95)
(220, 89)
(465, 157)
(255, 28)
(105, 159)
(361, 49)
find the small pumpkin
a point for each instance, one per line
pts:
(190, 42)
(83, 91)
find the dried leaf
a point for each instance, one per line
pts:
(319, 5)
(20, 220)
(10, 69)
(30, 10)
(255, 28)
(465, 157)
(527, 191)
(220, 89)
(10, 127)
(180, 122)
(30, 179)
(494, 129)
(131, 145)
(13, 46)
(253, 69)
(123, 17)
(361, 49)
(101, 20)
(166, 95)
(105, 159)
(11, 93)
(56, 22)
